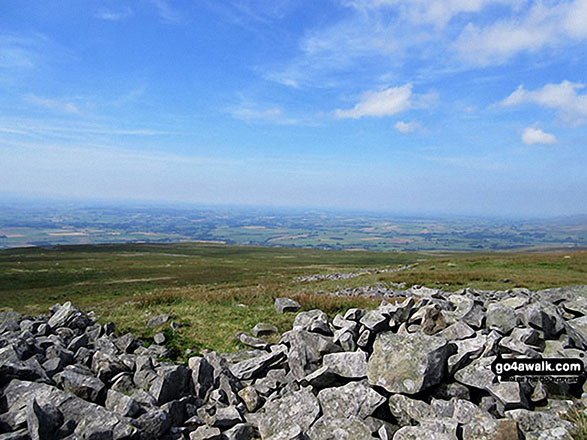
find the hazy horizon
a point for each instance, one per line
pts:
(465, 108)
(61, 202)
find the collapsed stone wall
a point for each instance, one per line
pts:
(418, 368)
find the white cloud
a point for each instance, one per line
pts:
(351, 44)
(532, 136)
(406, 127)
(386, 102)
(562, 97)
(538, 27)
(252, 112)
(54, 104)
(437, 12)
(109, 15)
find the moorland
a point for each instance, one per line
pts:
(214, 291)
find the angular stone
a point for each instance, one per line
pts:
(159, 338)
(530, 421)
(442, 425)
(158, 320)
(345, 337)
(354, 314)
(153, 424)
(511, 345)
(306, 351)
(70, 316)
(539, 394)
(314, 321)
(321, 378)
(508, 395)
(173, 382)
(501, 318)
(577, 331)
(91, 419)
(353, 399)
(457, 331)
(78, 342)
(250, 398)
(419, 433)
(42, 421)
(515, 302)
(293, 432)
(340, 323)
(477, 374)
(85, 386)
(449, 390)
(107, 365)
(430, 319)
(549, 434)
(251, 341)
(202, 375)
(484, 428)
(543, 316)
(264, 329)
(464, 411)
(350, 365)
(374, 320)
(286, 305)
(241, 431)
(251, 368)
(53, 366)
(408, 363)
(120, 404)
(21, 434)
(406, 410)
(226, 417)
(364, 338)
(296, 408)
(127, 343)
(327, 428)
(528, 336)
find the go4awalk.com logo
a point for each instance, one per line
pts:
(565, 370)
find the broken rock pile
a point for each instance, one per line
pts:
(417, 368)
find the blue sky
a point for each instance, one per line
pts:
(412, 106)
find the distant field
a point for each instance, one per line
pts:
(40, 225)
(216, 290)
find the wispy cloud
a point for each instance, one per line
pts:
(542, 25)
(250, 111)
(59, 129)
(167, 13)
(438, 12)
(114, 15)
(386, 102)
(376, 37)
(532, 136)
(406, 127)
(17, 52)
(65, 106)
(563, 97)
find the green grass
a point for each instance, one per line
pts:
(579, 418)
(214, 291)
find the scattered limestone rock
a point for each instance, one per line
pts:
(286, 305)
(408, 370)
(158, 320)
(264, 329)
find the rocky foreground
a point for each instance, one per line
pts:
(419, 368)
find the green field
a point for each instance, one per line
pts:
(214, 291)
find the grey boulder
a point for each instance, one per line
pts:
(408, 363)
